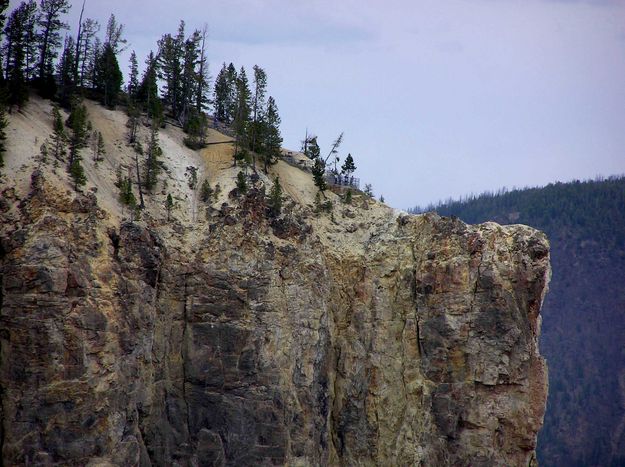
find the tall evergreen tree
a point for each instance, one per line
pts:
(201, 98)
(232, 78)
(152, 163)
(170, 59)
(65, 71)
(18, 50)
(79, 130)
(115, 35)
(133, 80)
(318, 172)
(221, 95)
(89, 29)
(109, 77)
(188, 87)
(258, 104)
(348, 167)
(242, 113)
(59, 136)
(147, 94)
(49, 37)
(271, 138)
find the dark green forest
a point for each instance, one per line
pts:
(583, 333)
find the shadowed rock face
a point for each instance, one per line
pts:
(236, 347)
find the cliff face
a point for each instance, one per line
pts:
(249, 341)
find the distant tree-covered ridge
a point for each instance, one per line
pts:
(583, 333)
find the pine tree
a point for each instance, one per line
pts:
(133, 81)
(221, 95)
(232, 78)
(318, 172)
(148, 90)
(170, 59)
(77, 173)
(100, 150)
(132, 123)
(79, 131)
(258, 105)
(271, 139)
(114, 35)
(188, 87)
(201, 99)
(152, 163)
(310, 147)
(88, 41)
(275, 198)
(49, 41)
(348, 167)
(206, 191)
(242, 114)
(59, 137)
(18, 51)
(241, 183)
(169, 205)
(108, 76)
(65, 72)
(126, 196)
(332, 155)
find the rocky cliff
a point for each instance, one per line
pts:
(368, 338)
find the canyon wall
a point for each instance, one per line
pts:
(248, 340)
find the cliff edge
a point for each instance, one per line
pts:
(229, 337)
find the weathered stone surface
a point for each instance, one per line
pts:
(266, 346)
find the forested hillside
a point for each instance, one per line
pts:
(584, 313)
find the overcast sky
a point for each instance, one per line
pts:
(437, 98)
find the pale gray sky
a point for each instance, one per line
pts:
(436, 98)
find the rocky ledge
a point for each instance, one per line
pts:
(252, 343)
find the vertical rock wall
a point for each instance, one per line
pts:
(253, 344)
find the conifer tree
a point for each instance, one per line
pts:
(133, 80)
(271, 138)
(49, 39)
(206, 191)
(148, 90)
(98, 147)
(65, 72)
(241, 183)
(242, 113)
(221, 95)
(59, 136)
(201, 99)
(169, 205)
(258, 105)
(275, 198)
(189, 81)
(132, 123)
(348, 167)
(318, 172)
(152, 163)
(114, 35)
(232, 79)
(18, 51)
(108, 76)
(79, 130)
(89, 29)
(170, 59)
(77, 172)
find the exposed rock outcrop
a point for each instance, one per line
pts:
(259, 343)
